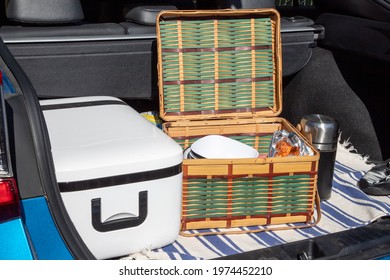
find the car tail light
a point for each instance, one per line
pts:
(9, 196)
(9, 199)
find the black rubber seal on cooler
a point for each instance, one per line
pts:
(81, 104)
(120, 179)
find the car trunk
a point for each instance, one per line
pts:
(353, 225)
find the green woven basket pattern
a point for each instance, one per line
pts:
(263, 141)
(205, 66)
(208, 198)
(263, 145)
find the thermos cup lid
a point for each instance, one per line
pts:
(322, 130)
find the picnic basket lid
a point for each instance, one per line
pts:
(219, 64)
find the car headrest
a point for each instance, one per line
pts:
(45, 11)
(145, 15)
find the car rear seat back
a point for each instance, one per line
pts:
(52, 18)
(378, 10)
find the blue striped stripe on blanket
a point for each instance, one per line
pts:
(347, 208)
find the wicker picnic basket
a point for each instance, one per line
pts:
(220, 73)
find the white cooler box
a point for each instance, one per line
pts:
(119, 175)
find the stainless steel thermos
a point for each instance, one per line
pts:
(323, 131)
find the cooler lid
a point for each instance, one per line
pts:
(219, 64)
(96, 137)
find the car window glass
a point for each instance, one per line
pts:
(7, 84)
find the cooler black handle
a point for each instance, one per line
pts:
(119, 223)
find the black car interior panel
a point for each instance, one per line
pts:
(21, 144)
(121, 68)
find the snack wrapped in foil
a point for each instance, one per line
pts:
(286, 143)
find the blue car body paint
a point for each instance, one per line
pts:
(44, 234)
(14, 244)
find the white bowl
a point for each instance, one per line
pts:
(217, 146)
(188, 154)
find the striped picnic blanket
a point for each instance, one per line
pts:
(347, 208)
